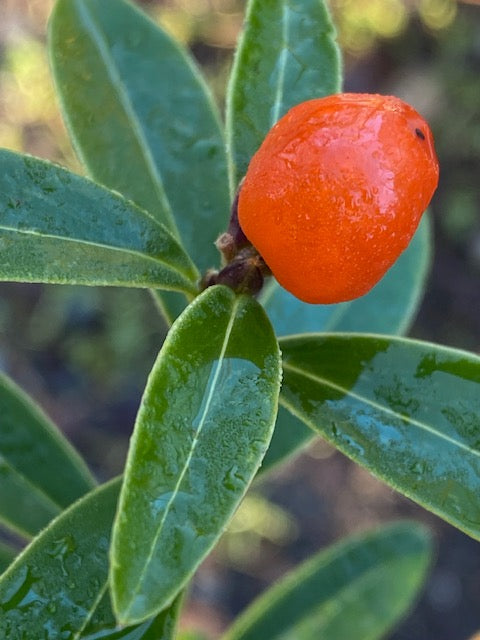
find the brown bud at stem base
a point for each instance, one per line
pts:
(243, 268)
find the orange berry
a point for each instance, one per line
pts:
(336, 191)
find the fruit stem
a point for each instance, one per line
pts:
(243, 268)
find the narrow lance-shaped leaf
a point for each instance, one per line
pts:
(358, 588)
(141, 117)
(408, 411)
(204, 425)
(55, 585)
(39, 471)
(286, 54)
(388, 308)
(61, 228)
(32, 445)
(62, 574)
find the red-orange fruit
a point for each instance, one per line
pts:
(336, 191)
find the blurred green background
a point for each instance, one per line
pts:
(84, 353)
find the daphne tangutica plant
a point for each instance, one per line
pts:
(226, 399)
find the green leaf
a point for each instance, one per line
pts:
(141, 117)
(39, 471)
(7, 555)
(55, 584)
(358, 589)
(61, 228)
(202, 430)
(163, 627)
(388, 308)
(32, 445)
(287, 54)
(408, 411)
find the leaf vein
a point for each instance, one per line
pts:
(417, 423)
(283, 64)
(91, 611)
(125, 101)
(195, 440)
(81, 241)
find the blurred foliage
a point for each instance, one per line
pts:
(29, 119)
(256, 523)
(362, 22)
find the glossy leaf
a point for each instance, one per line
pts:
(54, 586)
(32, 445)
(388, 308)
(57, 583)
(7, 555)
(204, 425)
(358, 588)
(286, 54)
(408, 411)
(141, 117)
(58, 227)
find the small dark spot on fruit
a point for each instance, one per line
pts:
(420, 134)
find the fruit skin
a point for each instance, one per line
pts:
(336, 191)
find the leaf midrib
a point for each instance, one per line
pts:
(91, 610)
(98, 39)
(348, 392)
(365, 576)
(283, 65)
(195, 440)
(81, 241)
(357, 585)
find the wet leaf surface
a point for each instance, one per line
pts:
(61, 228)
(54, 586)
(408, 411)
(204, 425)
(57, 588)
